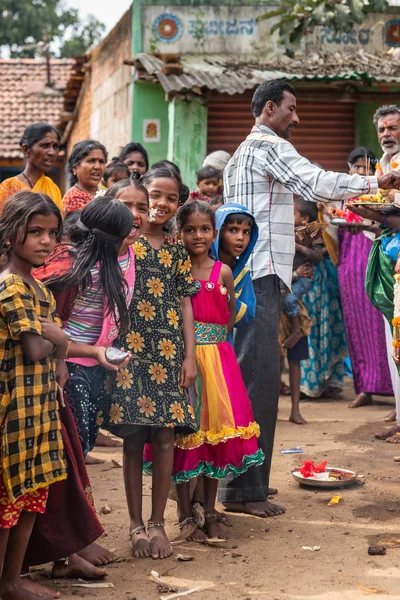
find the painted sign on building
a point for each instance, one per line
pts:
(228, 29)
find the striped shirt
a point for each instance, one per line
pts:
(86, 320)
(263, 175)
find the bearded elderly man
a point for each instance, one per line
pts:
(263, 174)
(387, 123)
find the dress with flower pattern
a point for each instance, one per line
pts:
(147, 392)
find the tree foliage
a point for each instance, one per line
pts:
(26, 24)
(297, 17)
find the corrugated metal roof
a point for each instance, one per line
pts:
(234, 74)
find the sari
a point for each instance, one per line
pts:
(324, 370)
(367, 344)
(44, 185)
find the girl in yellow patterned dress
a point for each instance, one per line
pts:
(150, 399)
(31, 350)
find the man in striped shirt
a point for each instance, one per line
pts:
(263, 174)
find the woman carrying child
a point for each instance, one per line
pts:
(150, 399)
(32, 347)
(226, 442)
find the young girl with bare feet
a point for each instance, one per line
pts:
(226, 442)
(150, 399)
(32, 347)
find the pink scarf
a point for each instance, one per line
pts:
(110, 329)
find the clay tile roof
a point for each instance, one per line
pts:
(25, 98)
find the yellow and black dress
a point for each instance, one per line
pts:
(31, 451)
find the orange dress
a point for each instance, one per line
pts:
(44, 185)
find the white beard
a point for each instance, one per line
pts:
(392, 150)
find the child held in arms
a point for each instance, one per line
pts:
(309, 250)
(236, 238)
(208, 181)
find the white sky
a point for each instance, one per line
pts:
(107, 11)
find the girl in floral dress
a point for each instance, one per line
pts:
(150, 399)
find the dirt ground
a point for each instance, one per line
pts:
(263, 558)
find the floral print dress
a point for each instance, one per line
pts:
(146, 392)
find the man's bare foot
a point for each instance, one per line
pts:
(213, 528)
(292, 339)
(361, 400)
(257, 509)
(14, 590)
(394, 439)
(92, 460)
(76, 567)
(296, 417)
(387, 433)
(39, 589)
(159, 543)
(108, 440)
(391, 417)
(140, 542)
(97, 555)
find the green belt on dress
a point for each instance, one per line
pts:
(210, 333)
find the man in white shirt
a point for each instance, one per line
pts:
(263, 174)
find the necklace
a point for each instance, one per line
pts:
(83, 190)
(154, 234)
(30, 183)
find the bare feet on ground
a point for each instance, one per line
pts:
(97, 555)
(213, 528)
(198, 535)
(387, 433)
(391, 417)
(108, 440)
(159, 543)
(75, 567)
(92, 460)
(257, 509)
(39, 589)
(296, 417)
(140, 543)
(292, 339)
(16, 591)
(394, 439)
(361, 400)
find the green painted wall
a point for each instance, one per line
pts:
(365, 129)
(187, 143)
(149, 103)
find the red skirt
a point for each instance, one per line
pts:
(70, 522)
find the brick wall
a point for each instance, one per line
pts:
(105, 106)
(81, 128)
(111, 114)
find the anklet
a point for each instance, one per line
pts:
(136, 531)
(152, 524)
(186, 522)
(210, 516)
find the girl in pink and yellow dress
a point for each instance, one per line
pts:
(226, 442)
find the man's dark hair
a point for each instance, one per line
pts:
(307, 209)
(269, 90)
(384, 111)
